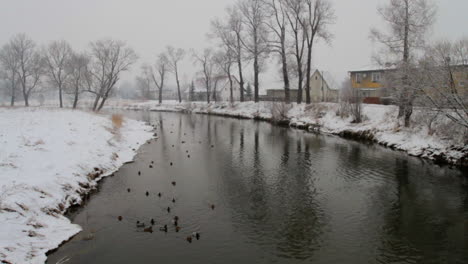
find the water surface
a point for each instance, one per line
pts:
(281, 196)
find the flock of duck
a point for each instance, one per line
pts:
(148, 228)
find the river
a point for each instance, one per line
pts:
(280, 195)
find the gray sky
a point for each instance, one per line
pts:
(149, 25)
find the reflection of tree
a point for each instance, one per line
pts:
(425, 223)
(276, 210)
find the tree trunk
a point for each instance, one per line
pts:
(239, 64)
(178, 86)
(309, 69)
(13, 86)
(96, 101)
(75, 100)
(160, 95)
(287, 96)
(231, 93)
(60, 96)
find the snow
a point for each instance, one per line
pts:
(380, 122)
(46, 156)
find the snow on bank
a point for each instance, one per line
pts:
(380, 125)
(48, 160)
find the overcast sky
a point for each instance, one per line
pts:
(149, 25)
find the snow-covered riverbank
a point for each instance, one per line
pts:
(446, 144)
(49, 159)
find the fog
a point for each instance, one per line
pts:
(149, 25)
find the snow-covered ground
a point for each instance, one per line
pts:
(49, 158)
(381, 125)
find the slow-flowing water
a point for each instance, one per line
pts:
(280, 196)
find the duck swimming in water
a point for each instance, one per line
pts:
(189, 239)
(168, 209)
(148, 229)
(196, 235)
(152, 221)
(164, 228)
(120, 218)
(173, 200)
(159, 194)
(147, 193)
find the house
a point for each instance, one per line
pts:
(369, 82)
(322, 89)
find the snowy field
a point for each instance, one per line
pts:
(445, 144)
(49, 159)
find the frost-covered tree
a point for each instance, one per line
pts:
(444, 72)
(225, 60)
(408, 22)
(109, 59)
(158, 74)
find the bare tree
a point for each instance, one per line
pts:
(10, 66)
(56, 56)
(444, 73)
(278, 24)
(30, 64)
(158, 74)
(77, 69)
(225, 61)
(256, 40)
(351, 102)
(408, 22)
(319, 15)
(144, 81)
(206, 61)
(294, 13)
(110, 58)
(230, 35)
(174, 57)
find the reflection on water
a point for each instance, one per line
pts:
(281, 196)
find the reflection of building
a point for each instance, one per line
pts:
(322, 89)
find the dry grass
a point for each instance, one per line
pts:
(117, 120)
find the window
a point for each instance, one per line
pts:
(376, 76)
(358, 78)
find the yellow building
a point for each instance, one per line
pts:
(369, 82)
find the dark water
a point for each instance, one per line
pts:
(280, 195)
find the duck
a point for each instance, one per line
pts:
(212, 207)
(175, 222)
(168, 209)
(177, 229)
(174, 183)
(189, 239)
(147, 193)
(196, 235)
(159, 194)
(172, 163)
(148, 229)
(152, 221)
(120, 218)
(151, 166)
(173, 200)
(139, 173)
(128, 190)
(188, 156)
(152, 162)
(164, 228)
(140, 225)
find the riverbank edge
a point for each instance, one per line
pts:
(79, 197)
(438, 157)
